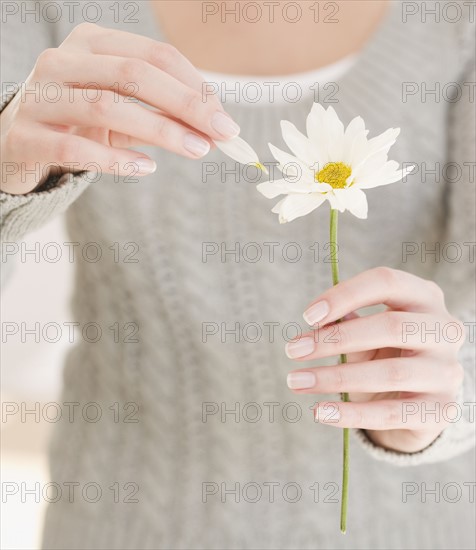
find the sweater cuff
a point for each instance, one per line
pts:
(21, 214)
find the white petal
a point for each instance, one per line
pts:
(373, 165)
(314, 121)
(356, 126)
(321, 187)
(326, 132)
(335, 201)
(237, 149)
(271, 189)
(299, 144)
(407, 170)
(384, 141)
(354, 200)
(358, 149)
(296, 206)
(334, 136)
(277, 207)
(390, 173)
(316, 131)
(292, 167)
(378, 145)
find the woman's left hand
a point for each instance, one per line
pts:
(402, 365)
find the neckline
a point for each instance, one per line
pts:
(322, 73)
(254, 91)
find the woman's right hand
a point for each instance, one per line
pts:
(99, 74)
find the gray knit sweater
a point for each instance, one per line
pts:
(207, 450)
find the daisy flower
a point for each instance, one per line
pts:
(330, 163)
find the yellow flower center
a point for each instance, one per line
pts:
(335, 174)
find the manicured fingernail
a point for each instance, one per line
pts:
(146, 166)
(316, 312)
(301, 380)
(224, 125)
(196, 145)
(300, 348)
(327, 414)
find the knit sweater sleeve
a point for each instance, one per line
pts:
(21, 43)
(457, 278)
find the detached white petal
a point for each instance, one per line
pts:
(237, 149)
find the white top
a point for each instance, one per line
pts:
(254, 90)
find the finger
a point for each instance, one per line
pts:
(382, 285)
(77, 153)
(393, 414)
(164, 56)
(130, 77)
(390, 329)
(123, 141)
(131, 119)
(361, 356)
(410, 374)
(114, 139)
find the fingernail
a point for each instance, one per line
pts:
(145, 166)
(316, 313)
(224, 125)
(301, 380)
(327, 414)
(196, 145)
(300, 348)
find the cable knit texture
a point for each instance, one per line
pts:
(171, 291)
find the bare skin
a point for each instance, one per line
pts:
(258, 48)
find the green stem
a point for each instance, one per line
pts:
(343, 359)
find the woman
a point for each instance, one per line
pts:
(201, 444)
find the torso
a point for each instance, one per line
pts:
(173, 290)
